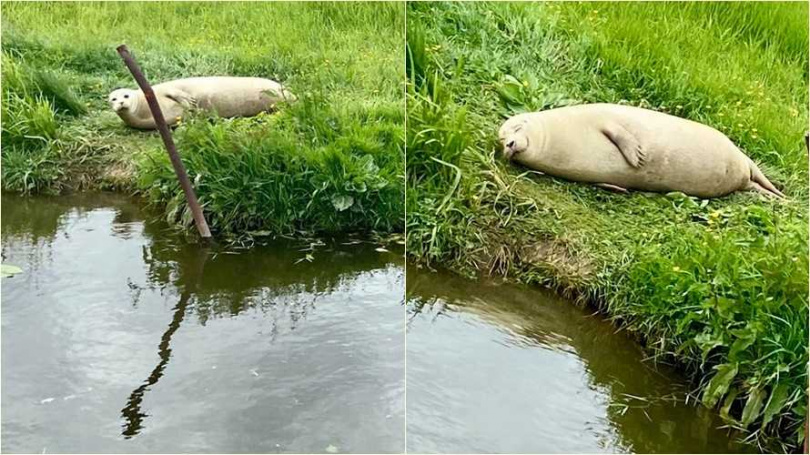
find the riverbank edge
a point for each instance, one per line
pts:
(534, 273)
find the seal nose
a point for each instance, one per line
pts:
(509, 151)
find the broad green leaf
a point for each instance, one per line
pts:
(775, 403)
(7, 270)
(342, 202)
(510, 90)
(753, 407)
(719, 384)
(745, 338)
(732, 395)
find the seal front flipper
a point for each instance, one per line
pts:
(626, 143)
(182, 98)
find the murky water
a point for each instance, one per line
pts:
(502, 368)
(121, 337)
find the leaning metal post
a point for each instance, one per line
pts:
(163, 128)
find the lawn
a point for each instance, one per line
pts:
(716, 286)
(331, 162)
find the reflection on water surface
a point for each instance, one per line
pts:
(122, 337)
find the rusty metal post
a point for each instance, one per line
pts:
(163, 128)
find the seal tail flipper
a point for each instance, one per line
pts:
(758, 179)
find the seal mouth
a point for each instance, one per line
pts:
(510, 150)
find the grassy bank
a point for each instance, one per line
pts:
(331, 162)
(718, 286)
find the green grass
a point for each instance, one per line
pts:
(331, 162)
(719, 285)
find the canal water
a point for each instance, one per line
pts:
(496, 368)
(121, 336)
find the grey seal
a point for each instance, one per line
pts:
(623, 147)
(227, 96)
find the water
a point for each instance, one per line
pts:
(501, 368)
(119, 336)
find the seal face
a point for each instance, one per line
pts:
(623, 147)
(123, 99)
(513, 137)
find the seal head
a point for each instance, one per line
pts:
(123, 100)
(513, 136)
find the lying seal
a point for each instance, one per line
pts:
(227, 96)
(623, 147)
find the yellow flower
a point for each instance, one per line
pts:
(676, 269)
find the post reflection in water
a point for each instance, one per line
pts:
(132, 411)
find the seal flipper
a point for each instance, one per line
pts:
(182, 98)
(761, 183)
(626, 143)
(609, 187)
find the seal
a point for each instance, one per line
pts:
(227, 96)
(623, 147)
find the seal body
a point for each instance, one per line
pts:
(227, 96)
(624, 147)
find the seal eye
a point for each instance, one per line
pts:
(113, 99)
(126, 96)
